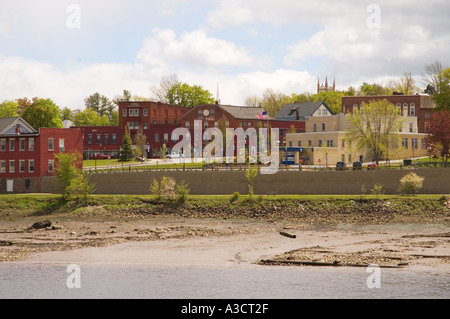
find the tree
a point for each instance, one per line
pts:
(8, 109)
(405, 85)
(22, 105)
(163, 152)
(373, 127)
(89, 117)
(126, 153)
(430, 76)
(333, 99)
(367, 89)
(66, 170)
(250, 174)
(253, 101)
(273, 101)
(141, 139)
(190, 96)
(100, 104)
(67, 114)
(439, 133)
(442, 94)
(81, 187)
(411, 183)
(160, 92)
(43, 113)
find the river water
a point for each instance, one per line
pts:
(49, 281)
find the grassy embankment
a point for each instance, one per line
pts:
(307, 208)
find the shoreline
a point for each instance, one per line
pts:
(224, 235)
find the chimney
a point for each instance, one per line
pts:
(18, 129)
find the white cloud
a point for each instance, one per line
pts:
(193, 49)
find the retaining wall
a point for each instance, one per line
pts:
(437, 181)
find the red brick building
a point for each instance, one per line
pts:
(409, 105)
(26, 155)
(227, 116)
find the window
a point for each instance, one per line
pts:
(12, 145)
(199, 113)
(299, 143)
(412, 109)
(399, 108)
(315, 128)
(329, 143)
(216, 125)
(343, 158)
(188, 125)
(22, 144)
(99, 138)
(414, 143)
(249, 124)
(22, 166)
(404, 142)
(290, 143)
(309, 143)
(27, 183)
(394, 144)
(349, 158)
(343, 143)
(405, 109)
(145, 125)
(320, 143)
(30, 166)
(212, 113)
(427, 115)
(205, 124)
(136, 112)
(51, 166)
(145, 112)
(31, 144)
(410, 127)
(355, 107)
(106, 139)
(12, 166)
(124, 112)
(323, 127)
(51, 146)
(157, 137)
(130, 112)
(166, 137)
(61, 145)
(324, 112)
(424, 144)
(2, 166)
(2, 144)
(89, 138)
(114, 139)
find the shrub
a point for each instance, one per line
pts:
(234, 197)
(410, 183)
(166, 187)
(377, 190)
(182, 191)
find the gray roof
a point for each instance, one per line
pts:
(242, 112)
(289, 111)
(7, 126)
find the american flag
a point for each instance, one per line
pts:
(262, 115)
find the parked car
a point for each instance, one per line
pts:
(174, 155)
(357, 165)
(372, 166)
(100, 156)
(341, 166)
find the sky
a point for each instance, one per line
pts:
(67, 50)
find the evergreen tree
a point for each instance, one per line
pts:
(126, 153)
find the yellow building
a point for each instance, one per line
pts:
(324, 143)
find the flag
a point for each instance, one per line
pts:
(262, 115)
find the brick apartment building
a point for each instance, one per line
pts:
(26, 155)
(409, 105)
